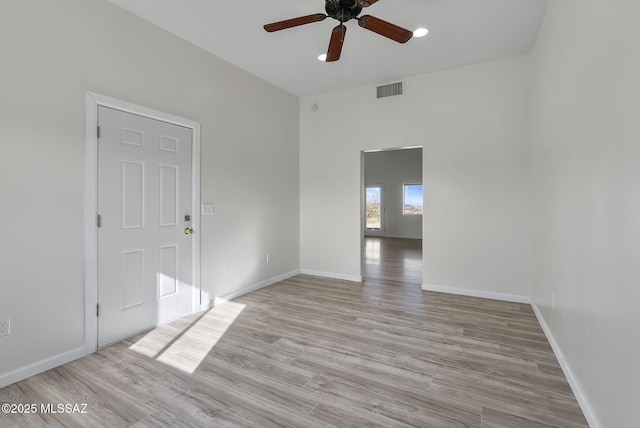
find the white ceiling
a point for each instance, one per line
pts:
(461, 32)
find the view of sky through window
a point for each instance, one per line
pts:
(412, 199)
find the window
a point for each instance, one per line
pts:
(373, 208)
(412, 199)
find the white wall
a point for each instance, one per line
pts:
(586, 175)
(472, 123)
(52, 52)
(391, 169)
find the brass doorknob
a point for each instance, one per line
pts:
(188, 230)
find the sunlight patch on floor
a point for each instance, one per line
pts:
(185, 343)
(412, 264)
(372, 251)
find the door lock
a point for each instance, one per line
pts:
(188, 230)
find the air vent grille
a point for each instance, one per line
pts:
(390, 90)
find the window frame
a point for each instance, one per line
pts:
(404, 195)
(373, 232)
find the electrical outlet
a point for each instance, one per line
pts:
(5, 326)
(268, 258)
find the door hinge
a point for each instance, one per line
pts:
(97, 309)
(98, 131)
(99, 220)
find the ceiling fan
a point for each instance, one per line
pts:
(343, 11)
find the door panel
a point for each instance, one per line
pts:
(168, 195)
(168, 272)
(131, 285)
(145, 270)
(132, 194)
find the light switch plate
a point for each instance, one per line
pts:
(207, 209)
(5, 326)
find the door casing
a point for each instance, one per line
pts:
(92, 101)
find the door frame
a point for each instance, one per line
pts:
(92, 102)
(363, 200)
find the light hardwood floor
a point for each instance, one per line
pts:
(393, 260)
(315, 352)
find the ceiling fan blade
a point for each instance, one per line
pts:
(335, 45)
(385, 28)
(283, 25)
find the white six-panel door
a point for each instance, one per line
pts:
(145, 274)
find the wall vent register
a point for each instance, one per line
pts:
(390, 90)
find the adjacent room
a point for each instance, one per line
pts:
(336, 213)
(392, 212)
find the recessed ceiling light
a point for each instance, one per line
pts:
(322, 57)
(420, 32)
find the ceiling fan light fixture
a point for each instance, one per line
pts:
(420, 32)
(322, 57)
(343, 11)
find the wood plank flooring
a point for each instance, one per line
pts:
(315, 352)
(393, 259)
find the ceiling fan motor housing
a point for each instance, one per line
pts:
(342, 10)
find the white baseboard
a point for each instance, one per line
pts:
(41, 366)
(403, 237)
(477, 293)
(588, 411)
(352, 278)
(246, 290)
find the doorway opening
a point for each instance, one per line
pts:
(392, 209)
